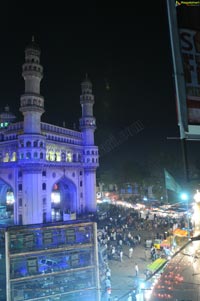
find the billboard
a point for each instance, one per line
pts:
(184, 30)
(188, 23)
(190, 50)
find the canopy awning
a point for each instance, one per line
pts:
(154, 266)
(180, 232)
(165, 243)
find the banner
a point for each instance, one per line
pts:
(171, 184)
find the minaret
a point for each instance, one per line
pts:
(90, 153)
(31, 151)
(87, 122)
(32, 103)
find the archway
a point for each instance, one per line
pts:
(63, 198)
(7, 201)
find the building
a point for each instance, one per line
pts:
(49, 262)
(46, 170)
(47, 181)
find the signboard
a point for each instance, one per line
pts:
(190, 50)
(70, 235)
(188, 25)
(32, 265)
(47, 237)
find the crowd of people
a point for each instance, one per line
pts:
(126, 229)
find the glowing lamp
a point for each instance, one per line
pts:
(184, 196)
(197, 197)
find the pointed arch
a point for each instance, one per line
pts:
(6, 202)
(63, 197)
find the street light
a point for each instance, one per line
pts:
(184, 197)
(197, 196)
(145, 292)
(196, 215)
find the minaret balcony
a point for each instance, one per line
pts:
(87, 122)
(32, 66)
(32, 69)
(32, 100)
(86, 99)
(92, 166)
(31, 73)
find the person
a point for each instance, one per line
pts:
(121, 255)
(139, 238)
(129, 297)
(113, 252)
(146, 254)
(108, 273)
(134, 295)
(120, 242)
(136, 270)
(130, 253)
(107, 283)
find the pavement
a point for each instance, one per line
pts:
(123, 275)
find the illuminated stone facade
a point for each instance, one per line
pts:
(48, 170)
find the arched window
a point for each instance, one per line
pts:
(14, 156)
(43, 186)
(20, 187)
(63, 156)
(44, 173)
(41, 155)
(81, 183)
(41, 144)
(6, 158)
(28, 144)
(28, 155)
(35, 155)
(35, 143)
(21, 142)
(20, 219)
(44, 217)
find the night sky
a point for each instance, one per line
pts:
(124, 50)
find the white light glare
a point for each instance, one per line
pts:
(197, 196)
(184, 196)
